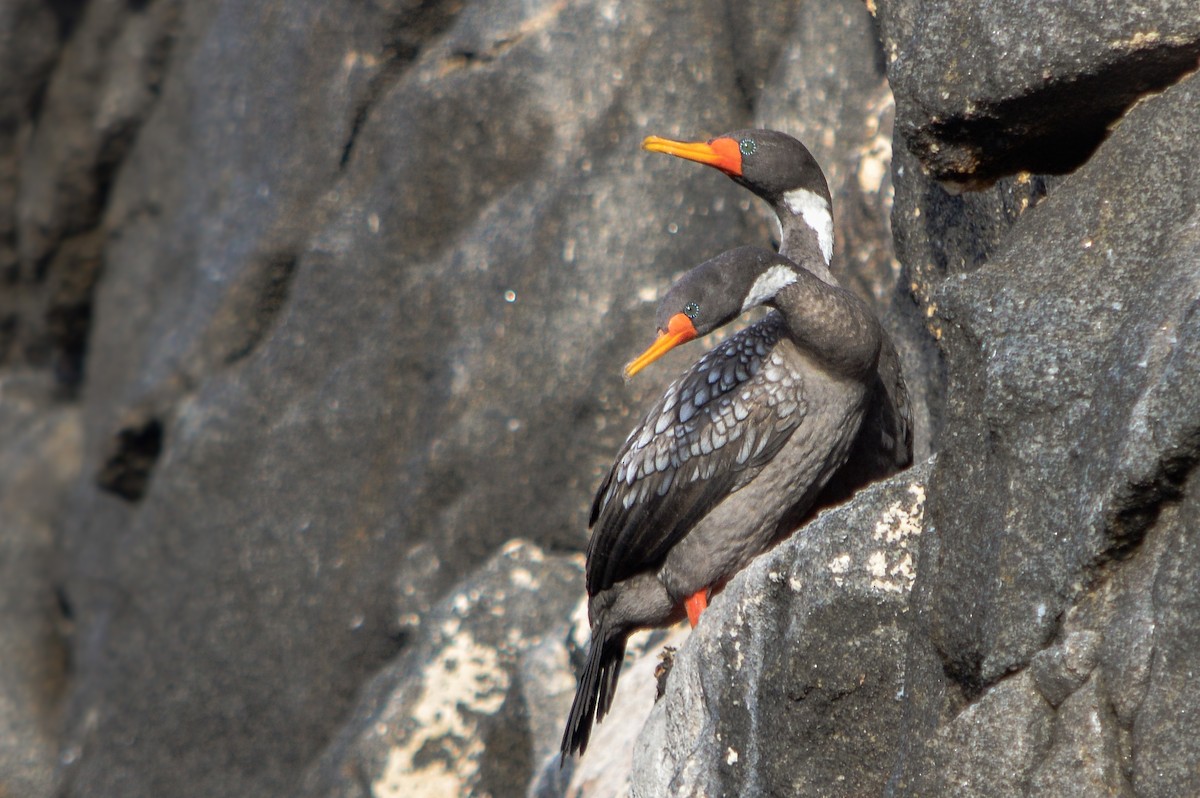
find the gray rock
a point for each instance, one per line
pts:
(794, 681)
(476, 700)
(938, 233)
(30, 33)
(993, 747)
(1057, 353)
(941, 232)
(40, 445)
(96, 99)
(1166, 731)
(1085, 757)
(1061, 670)
(1131, 723)
(986, 90)
(1054, 352)
(1107, 691)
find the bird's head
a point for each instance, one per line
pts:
(769, 163)
(713, 294)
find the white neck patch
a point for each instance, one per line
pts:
(768, 284)
(815, 211)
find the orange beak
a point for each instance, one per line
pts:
(723, 153)
(680, 330)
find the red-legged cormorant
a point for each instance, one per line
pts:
(781, 170)
(730, 458)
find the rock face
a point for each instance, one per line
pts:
(987, 89)
(823, 712)
(477, 700)
(309, 309)
(1066, 312)
(40, 461)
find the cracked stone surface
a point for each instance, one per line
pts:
(477, 699)
(794, 680)
(1059, 355)
(987, 90)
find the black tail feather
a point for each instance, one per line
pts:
(597, 685)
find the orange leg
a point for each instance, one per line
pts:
(696, 604)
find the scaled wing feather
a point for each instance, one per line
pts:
(717, 426)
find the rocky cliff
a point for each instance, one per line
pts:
(312, 316)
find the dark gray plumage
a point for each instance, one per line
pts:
(795, 412)
(780, 169)
(730, 457)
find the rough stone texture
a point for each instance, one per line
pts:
(1070, 428)
(29, 41)
(992, 747)
(1085, 756)
(1166, 730)
(793, 682)
(1060, 670)
(40, 458)
(1061, 360)
(989, 89)
(307, 308)
(106, 78)
(478, 698)
(940, 233)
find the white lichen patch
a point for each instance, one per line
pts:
(839, 566)
(463, 682)
(891, 578)
(521, 577)
(450, 627)
(891, 568)
(731, 756)
(903, 519)
(1142, 40)
(433, 781)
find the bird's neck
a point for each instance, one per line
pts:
(830, 323)
(806, 230)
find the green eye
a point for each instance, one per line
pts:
(747, 146)
(691, 310)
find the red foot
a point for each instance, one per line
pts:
(696, 604)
